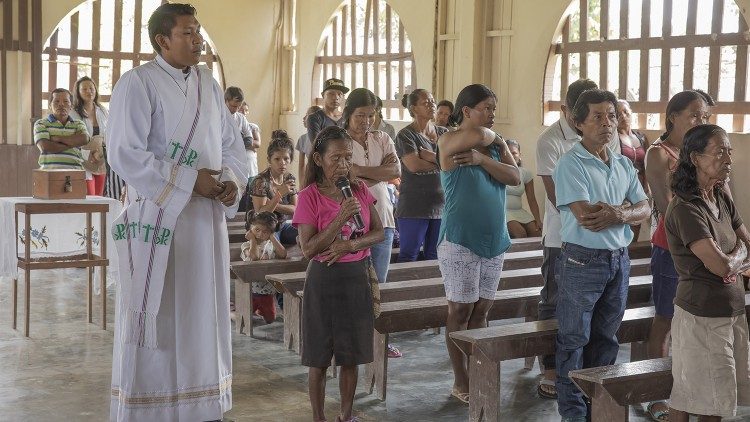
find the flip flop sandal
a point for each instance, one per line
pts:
(546, 393)
(657, 415)
(463, 397)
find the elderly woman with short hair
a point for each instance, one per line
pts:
(709, 245)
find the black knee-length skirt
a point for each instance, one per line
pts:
(337, 319)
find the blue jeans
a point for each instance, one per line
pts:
(592, 292)
(287, 234)
(415, 233)
(548, 295)
(664, 284)
(381, 255)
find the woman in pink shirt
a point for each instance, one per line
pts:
(337, 302)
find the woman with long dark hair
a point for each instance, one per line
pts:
(685, 110)
(88, 109)
(420, 202)
(709, 245)
(476, 166)
(337, 301)
(275, 188)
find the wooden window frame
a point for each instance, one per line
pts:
(95, 54)
(645, 42)
(332, 64)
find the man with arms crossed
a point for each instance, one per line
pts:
(599, 196)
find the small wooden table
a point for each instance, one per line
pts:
(88, 260)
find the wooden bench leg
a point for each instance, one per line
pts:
(529, 361)
(292, 322)
(90, 293)
(103, 288)
(15, 303)
(334, 370)
(604, 408)
(484, 388)
(376, 373)
(27, 298)
(638, 351)
(243, 306)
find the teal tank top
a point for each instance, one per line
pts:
(474, 213)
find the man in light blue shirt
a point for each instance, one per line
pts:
(599, 196)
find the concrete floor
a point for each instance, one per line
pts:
(63, 372)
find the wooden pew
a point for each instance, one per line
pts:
(422, 276)
(431, 312)
(487, 347)
(236, 235)
(289, 284)
(615, 387)
(235, 250)
(248, 271)
(239, 217)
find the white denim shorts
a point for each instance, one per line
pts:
(466, 275)
(709, 364)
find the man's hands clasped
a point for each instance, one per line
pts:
(208, 187)
(606, 216)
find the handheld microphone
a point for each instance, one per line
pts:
(346, 190)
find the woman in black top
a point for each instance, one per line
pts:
(420, 203)
(275, 188)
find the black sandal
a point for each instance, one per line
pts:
(545, 393)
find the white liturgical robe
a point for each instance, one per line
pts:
(172, 358)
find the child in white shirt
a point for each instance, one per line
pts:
(262, 245)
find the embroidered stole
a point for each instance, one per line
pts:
(143, 232)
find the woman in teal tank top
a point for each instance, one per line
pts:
(475, 165)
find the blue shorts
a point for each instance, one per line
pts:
(664, 281)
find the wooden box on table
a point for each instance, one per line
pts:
(59, 184)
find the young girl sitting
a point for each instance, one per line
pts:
(262, 245)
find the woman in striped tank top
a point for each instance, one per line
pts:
(685, 110)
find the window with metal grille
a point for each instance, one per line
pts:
(365, 45)
(645, 51)
(103, 39)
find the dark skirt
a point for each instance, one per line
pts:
(337, 319)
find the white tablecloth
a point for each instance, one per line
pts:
(54, 234)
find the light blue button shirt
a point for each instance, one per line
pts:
(581, 176)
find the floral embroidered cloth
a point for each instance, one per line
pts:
(53, 235)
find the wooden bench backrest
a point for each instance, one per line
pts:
(628, 383)
(538, 337)
(633, 382)
(399, 272)
(434, 287)
(431, 312)
(292, 282)
(248, 271)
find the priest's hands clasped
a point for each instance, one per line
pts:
(208, 187)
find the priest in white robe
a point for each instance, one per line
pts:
(173, 141)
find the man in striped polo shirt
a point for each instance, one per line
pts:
(58, 136)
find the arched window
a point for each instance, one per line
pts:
(648, 50)
(364, 54)
(103, 39)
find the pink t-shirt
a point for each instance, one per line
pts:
(318, 210)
